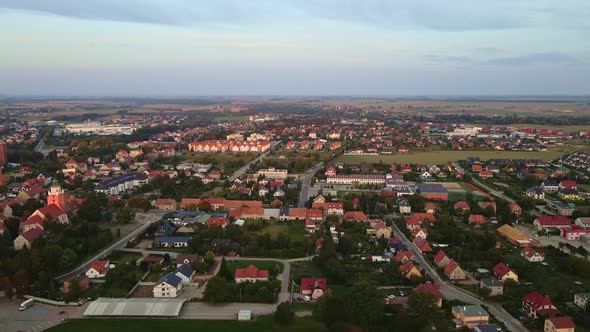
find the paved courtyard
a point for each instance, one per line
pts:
(36, 318)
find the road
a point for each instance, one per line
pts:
(244, 169)
(156, 215)
(228, 311)
(451, 293)
(306, 183)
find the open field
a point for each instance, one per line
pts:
(572, 128)
(439, 157)
(265, 323)
(295, 230)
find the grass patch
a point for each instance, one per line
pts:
(440, 157)
(125, 257)
(295, 230)
(263, 323)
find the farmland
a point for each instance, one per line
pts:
(440, 157)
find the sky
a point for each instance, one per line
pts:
(294, 47)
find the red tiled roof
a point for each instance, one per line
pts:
(554, 220)
(51, 211)
(501, 270)
(461, 205)
(99, 266)
(251, 272)
(429, 287)
(562, 322)
(314, 283)
(440, 255)
(32, 234)
(451, 267)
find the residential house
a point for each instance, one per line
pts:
(581, 300)
(503, 272)
(430, 288)
(187, 259)
(515, 209)
(167, 204)
(536, 305)
(356, 216)
(314, 287)
(409, 270)
(98, 269)
(403, 257)
(422, 245)
(543, 222)
(185, 273)
(476, 219)
(171, 241)
(559, 324)
(461, 207)
(170, 285)
(250, 274)
(311, 226)
(532, 255)
(26, 239)
(441, 259)
(550, 186)
(470, 315)
(404, 206)
(536, 193)
(495, 286)
(454, 272)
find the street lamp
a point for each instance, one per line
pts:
(274, 295)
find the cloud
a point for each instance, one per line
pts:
(535, 58)
(449, 58)
(450, 15)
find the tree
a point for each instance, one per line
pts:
(74, 291)
(21, 282)
(209, 257)
(363, 304)
(125, 215)
(422, 303)
(224, 271)
(284, 314)
(8, 287)
(216, 291)
(68, 258)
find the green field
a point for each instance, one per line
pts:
(295, 230)
(440, 157)
(265, 323)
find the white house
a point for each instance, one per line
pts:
(532, 255)
(169, 285)
(404, 206)
(98, 269)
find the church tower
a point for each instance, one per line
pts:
(56, 196)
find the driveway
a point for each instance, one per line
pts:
(306, 183)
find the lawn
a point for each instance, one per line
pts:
(122, 256)
(440, 157)
(294, 229)
(264, 323)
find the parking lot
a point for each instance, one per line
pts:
(36, 318)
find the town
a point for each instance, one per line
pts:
(324, 217)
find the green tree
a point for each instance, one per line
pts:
(125, 215)
(209, 257)
(423, 304)
(284, 314)
(68, 258)
(217, 290)
(363, 304)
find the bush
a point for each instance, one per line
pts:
(284, 314)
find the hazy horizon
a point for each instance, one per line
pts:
(261, 48)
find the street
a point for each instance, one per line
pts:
(496, 193)
(244, 169)
(451, 293)
(306, 183)
(155, 216)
